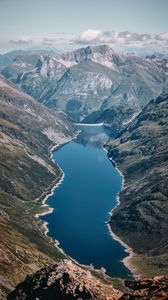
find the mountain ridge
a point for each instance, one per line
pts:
(87, 80)
(140, 152)
(28, 130)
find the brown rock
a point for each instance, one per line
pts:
(64, 281)
(147, 289)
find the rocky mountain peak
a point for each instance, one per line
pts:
(103, 49)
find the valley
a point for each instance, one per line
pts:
(41, 99)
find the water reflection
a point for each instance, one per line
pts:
(95, 136)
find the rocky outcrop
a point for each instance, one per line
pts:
(65, 281)
(68, 281)
(2, 295)
(147, 289)
(141, 152)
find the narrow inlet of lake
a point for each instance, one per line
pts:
(83, 201)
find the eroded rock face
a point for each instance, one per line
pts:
(61, 282)
(90, 82)
(148, 289)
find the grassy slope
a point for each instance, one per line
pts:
(141, 220)
(26, 170)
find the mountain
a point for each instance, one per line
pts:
(90, 80)
(20, 64)
(42, 81)
(140, 151)
(7, 58)
(28, 131)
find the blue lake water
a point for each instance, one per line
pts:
(83, 201)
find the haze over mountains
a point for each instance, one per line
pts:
(91, 84)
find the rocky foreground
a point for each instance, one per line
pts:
(66, 281)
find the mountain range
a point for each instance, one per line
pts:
(92, 83)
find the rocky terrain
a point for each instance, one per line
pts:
(140, 152)
(64, 281)
(92, 83)
(68, 281)
(20, 65)
(8, 58)
(147, 289)
(28, 130)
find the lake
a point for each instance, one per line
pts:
(83, 201)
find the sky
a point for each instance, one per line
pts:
(125, 24)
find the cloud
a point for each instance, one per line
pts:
(162, 36)
(111, 37)
(22, 41)
(89, 35)
(124, 41)
(50, 39)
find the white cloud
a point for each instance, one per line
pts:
(50, 39)
(21, 41)
(89, 35)
(162, 36)
(111, 37)
(124, 41)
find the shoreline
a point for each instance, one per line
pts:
(45, 195)
(50, 192)
(88, 124)
(127, 260)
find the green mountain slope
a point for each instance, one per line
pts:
(27, 131)
(141, 153)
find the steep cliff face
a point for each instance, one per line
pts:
(140, 152)
(93, 79)
(27, 132)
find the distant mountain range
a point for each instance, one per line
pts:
(90, 83)
(7, 58)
